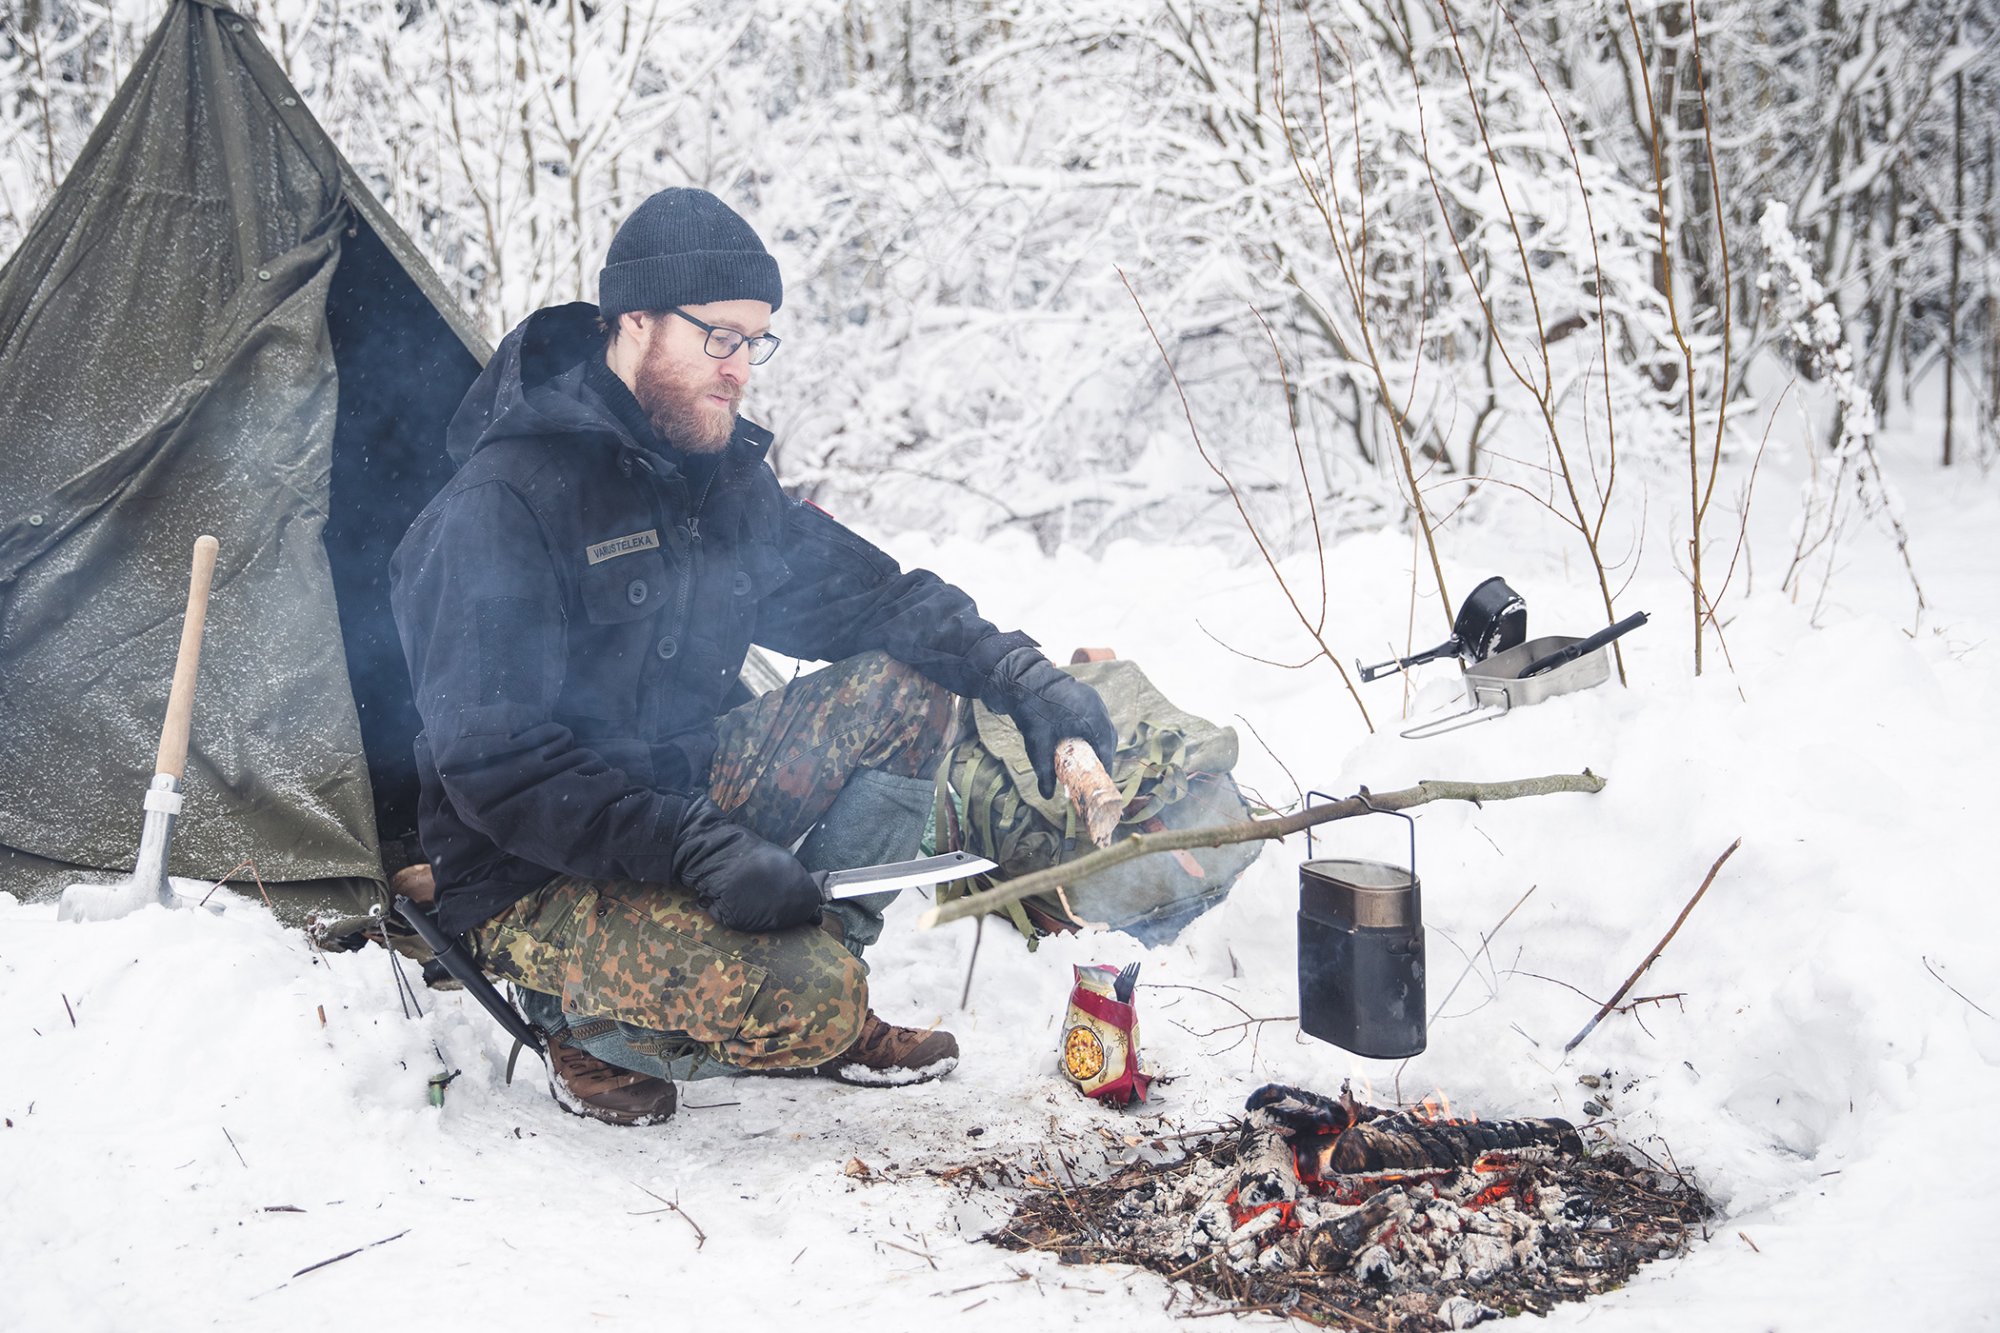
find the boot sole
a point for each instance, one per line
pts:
(863, 1076)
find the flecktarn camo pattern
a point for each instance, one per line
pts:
(647, 955)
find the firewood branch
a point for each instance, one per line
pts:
(1070, 873)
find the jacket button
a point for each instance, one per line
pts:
(741, 583)
(635, 591)
(666, 647)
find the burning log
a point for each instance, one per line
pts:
(1331, 1246)
(1408, 1143)
(1340, 1136)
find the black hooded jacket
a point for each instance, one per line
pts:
(575, 612)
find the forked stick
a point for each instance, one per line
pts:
(1142, 844)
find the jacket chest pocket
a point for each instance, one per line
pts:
(625, 589)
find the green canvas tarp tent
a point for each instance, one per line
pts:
(213, 326)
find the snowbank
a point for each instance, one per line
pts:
(185, 1136)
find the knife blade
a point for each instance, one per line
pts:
(900, 875)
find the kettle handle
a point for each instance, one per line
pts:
(1373, 809)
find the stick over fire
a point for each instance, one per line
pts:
(1143, 844)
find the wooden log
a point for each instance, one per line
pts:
(1090, 789)
(1400, 1143)
(1266, 1173)
(1332, 1245)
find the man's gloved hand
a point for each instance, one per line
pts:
(1050, 706)
(742, 881)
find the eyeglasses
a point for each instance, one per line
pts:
(722, 343)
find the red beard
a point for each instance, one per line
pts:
(679, 407)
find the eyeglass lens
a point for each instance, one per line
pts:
(722, 344)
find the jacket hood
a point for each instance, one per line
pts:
(535, 387)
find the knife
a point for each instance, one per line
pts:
(834, 884)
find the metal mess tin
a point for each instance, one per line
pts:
(1361, 955)
(1494, 686)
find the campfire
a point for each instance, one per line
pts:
(1345, 1213)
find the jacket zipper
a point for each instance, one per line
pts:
(694, 556)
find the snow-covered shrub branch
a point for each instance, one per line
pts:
(953, 188)
(1801, 306)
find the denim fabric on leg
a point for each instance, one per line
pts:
(878, 817)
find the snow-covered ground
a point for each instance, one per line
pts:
(184, 1135)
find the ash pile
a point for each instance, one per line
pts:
(1339, 1212)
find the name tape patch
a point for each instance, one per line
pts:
(649, 540)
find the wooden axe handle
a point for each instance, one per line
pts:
(180, 701)
(1090, 788)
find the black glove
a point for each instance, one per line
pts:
(740, 880)
(1050, 706)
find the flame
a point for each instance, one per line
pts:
(1435, 1109)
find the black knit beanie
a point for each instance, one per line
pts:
(685, 247)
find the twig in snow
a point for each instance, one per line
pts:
(1485, 941)
(239, 1154)
(1927, 967)
(1019, 1276)
(245, 864)
(978, 934)
(72, 1013)
(1632, 1004)
(1665, 939)
(351, 1253)
(1231, 1027)
(673, 1206)
(1554, 981)
(1251, 1024)
(1181, 985)
(921, 1254)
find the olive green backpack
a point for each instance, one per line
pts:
(1173, 769)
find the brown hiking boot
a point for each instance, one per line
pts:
(587, 1086)
(885, 1055)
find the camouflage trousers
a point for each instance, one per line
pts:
(645, 979)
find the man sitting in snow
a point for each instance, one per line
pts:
(575, 606)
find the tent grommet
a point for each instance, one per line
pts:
(263, 275)
(35, 520)
(199, 363)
